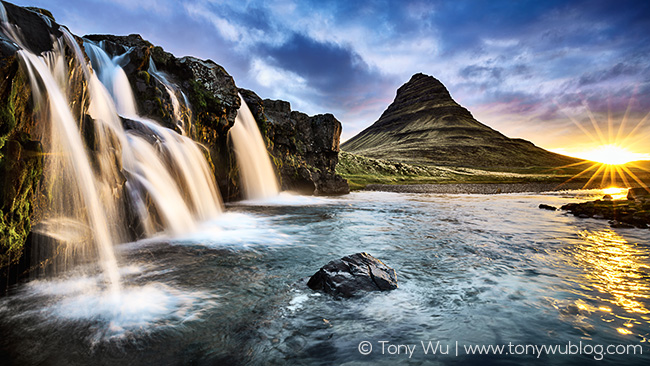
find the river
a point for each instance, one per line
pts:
(472, 270)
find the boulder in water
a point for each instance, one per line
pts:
(352, 275)
(547, 207)
(638, 194)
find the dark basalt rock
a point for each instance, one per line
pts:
(211, 92)
(22, 137)
(621, 213)
(352, 275)
(547, 207)
(304, 149)
(34, 25)
(638, 194)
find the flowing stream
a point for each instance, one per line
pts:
(472, 269)
(111, 175)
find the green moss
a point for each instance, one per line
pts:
(144, 76)
(361, 171)
(202, 99)
(8, 114)
(20, 164)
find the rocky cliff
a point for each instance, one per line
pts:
(304, 148)
(210, 90)
(424, 125)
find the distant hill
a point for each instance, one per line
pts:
(424, 125)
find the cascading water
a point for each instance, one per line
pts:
(112, 175)
(257, 176)
(183, 120)
(165, 168)
(70, 155)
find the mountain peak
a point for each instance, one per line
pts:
(424, 93)
(425, 125)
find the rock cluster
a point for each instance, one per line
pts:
(305, 149)
(21, 162)
(621, 213)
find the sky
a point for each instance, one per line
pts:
(566, 75)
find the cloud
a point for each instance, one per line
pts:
(516, 65)
(158, 6)
(227, 30)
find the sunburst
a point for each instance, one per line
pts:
(611, 158)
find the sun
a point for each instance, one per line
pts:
(610, 158)
(611, 154)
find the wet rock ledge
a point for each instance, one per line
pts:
(629, 213)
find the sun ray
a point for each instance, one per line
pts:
(593, 177)
(638, 125)
(621, 173)
(592, 118)
(611, 170)
(567, 166)
(592, 167)
(613, 153)
(639, 167)
(628, 171)
(575, 122)
(606, 174)
(621, 127)
(610, 122)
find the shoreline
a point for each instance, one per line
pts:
(474, 188)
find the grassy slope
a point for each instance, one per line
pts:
(361, 171)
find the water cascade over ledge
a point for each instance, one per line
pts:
(112, 176)
(257, 176)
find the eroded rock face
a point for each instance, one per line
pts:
(353, 275)
(305, 149)
(638, 194)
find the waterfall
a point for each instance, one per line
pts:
(257, 176)
(112, 175)
(164, 167)
(68, 154)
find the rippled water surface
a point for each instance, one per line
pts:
(472, 270)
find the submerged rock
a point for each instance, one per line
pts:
(350, 275)
(620, 225)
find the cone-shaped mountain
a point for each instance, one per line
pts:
(425, 125)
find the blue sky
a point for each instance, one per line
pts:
(531, 69)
